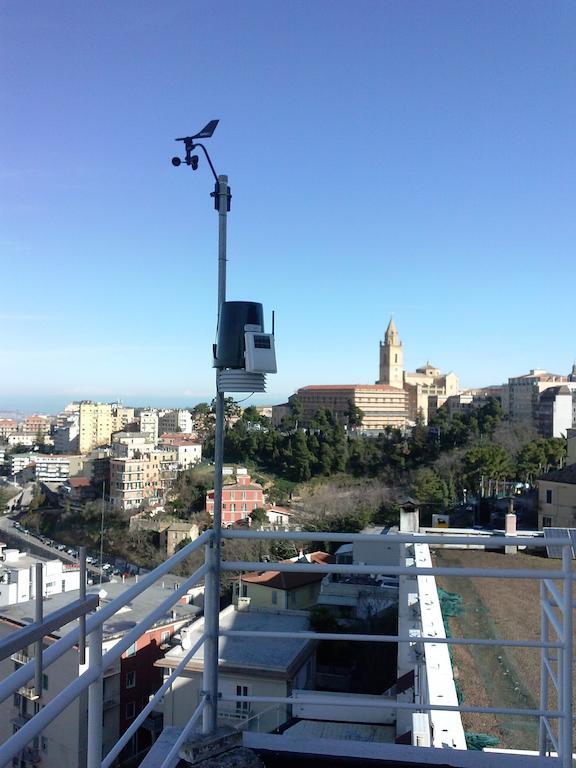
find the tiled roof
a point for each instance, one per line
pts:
(79, 482)
(323, 387)
(288, 580)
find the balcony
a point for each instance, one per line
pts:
(432, 712)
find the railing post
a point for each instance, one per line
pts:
(39, 619)
(82, 619)
(95, 700)
(567, 659)
(211, 617)
(544, 656)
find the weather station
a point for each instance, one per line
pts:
(242, 356)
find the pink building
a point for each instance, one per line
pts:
(238, 500)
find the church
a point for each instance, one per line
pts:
(427, 388)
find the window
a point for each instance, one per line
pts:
(274, 597)
(130, 710)
(242, 706)
(546, 522)
(164, 637)
(130, 679)
(130, 651)
(548, 497)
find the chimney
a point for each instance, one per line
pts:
(510, 527)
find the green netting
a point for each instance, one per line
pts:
(450, 603)
(480, 740)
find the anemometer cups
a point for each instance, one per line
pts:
(236, 317)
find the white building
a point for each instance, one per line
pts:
(55, 468)
(259, 667)
(66, 433)
(18, 580)
(175, 421)
(188, 453)
(19, 461)
(149, 424)
(127, 684)
(130, 445)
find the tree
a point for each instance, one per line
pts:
(354, 415)
(490, 460)
(429, 488)
(258, 516)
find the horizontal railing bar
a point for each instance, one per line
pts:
(72, 691)
(130, 637)
(174, 753)
(33, 632)
(374, 701)
(19, 678)
(400, 538)
(390, 570)
(388, 638)
(127, 735)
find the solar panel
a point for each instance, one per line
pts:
(572, 533)
(555, 550)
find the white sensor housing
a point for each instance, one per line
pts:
(260, 353)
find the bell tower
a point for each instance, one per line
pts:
(391, 358)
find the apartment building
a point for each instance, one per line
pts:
(66, 433)
(149, 424)
(524, 393)
(555, 411)
(129, 445)
(46, 467)
(557, 498)
(239, 498)
(175, 421)
(127, 684)
(188, 449)
(97, 422)
(143, 480)
(18, 581)
(8, 427)
(382, 405)
(55, 468)
(36, 425)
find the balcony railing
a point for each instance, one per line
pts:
(555, 644)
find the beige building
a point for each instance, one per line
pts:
(284, 590)
(177, 532)
(143, 480)
(557, 498)
(382, 405)
(423, 383)
(97, 422)
(524, 393)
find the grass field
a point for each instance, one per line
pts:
(504, 609)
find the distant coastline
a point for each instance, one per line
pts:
(18, 406)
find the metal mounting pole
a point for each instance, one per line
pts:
(212, 594)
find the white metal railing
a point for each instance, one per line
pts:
(556, 652)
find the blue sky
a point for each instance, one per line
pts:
(385, 156)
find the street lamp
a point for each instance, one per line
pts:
(222, 197)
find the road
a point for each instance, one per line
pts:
(26, 543)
